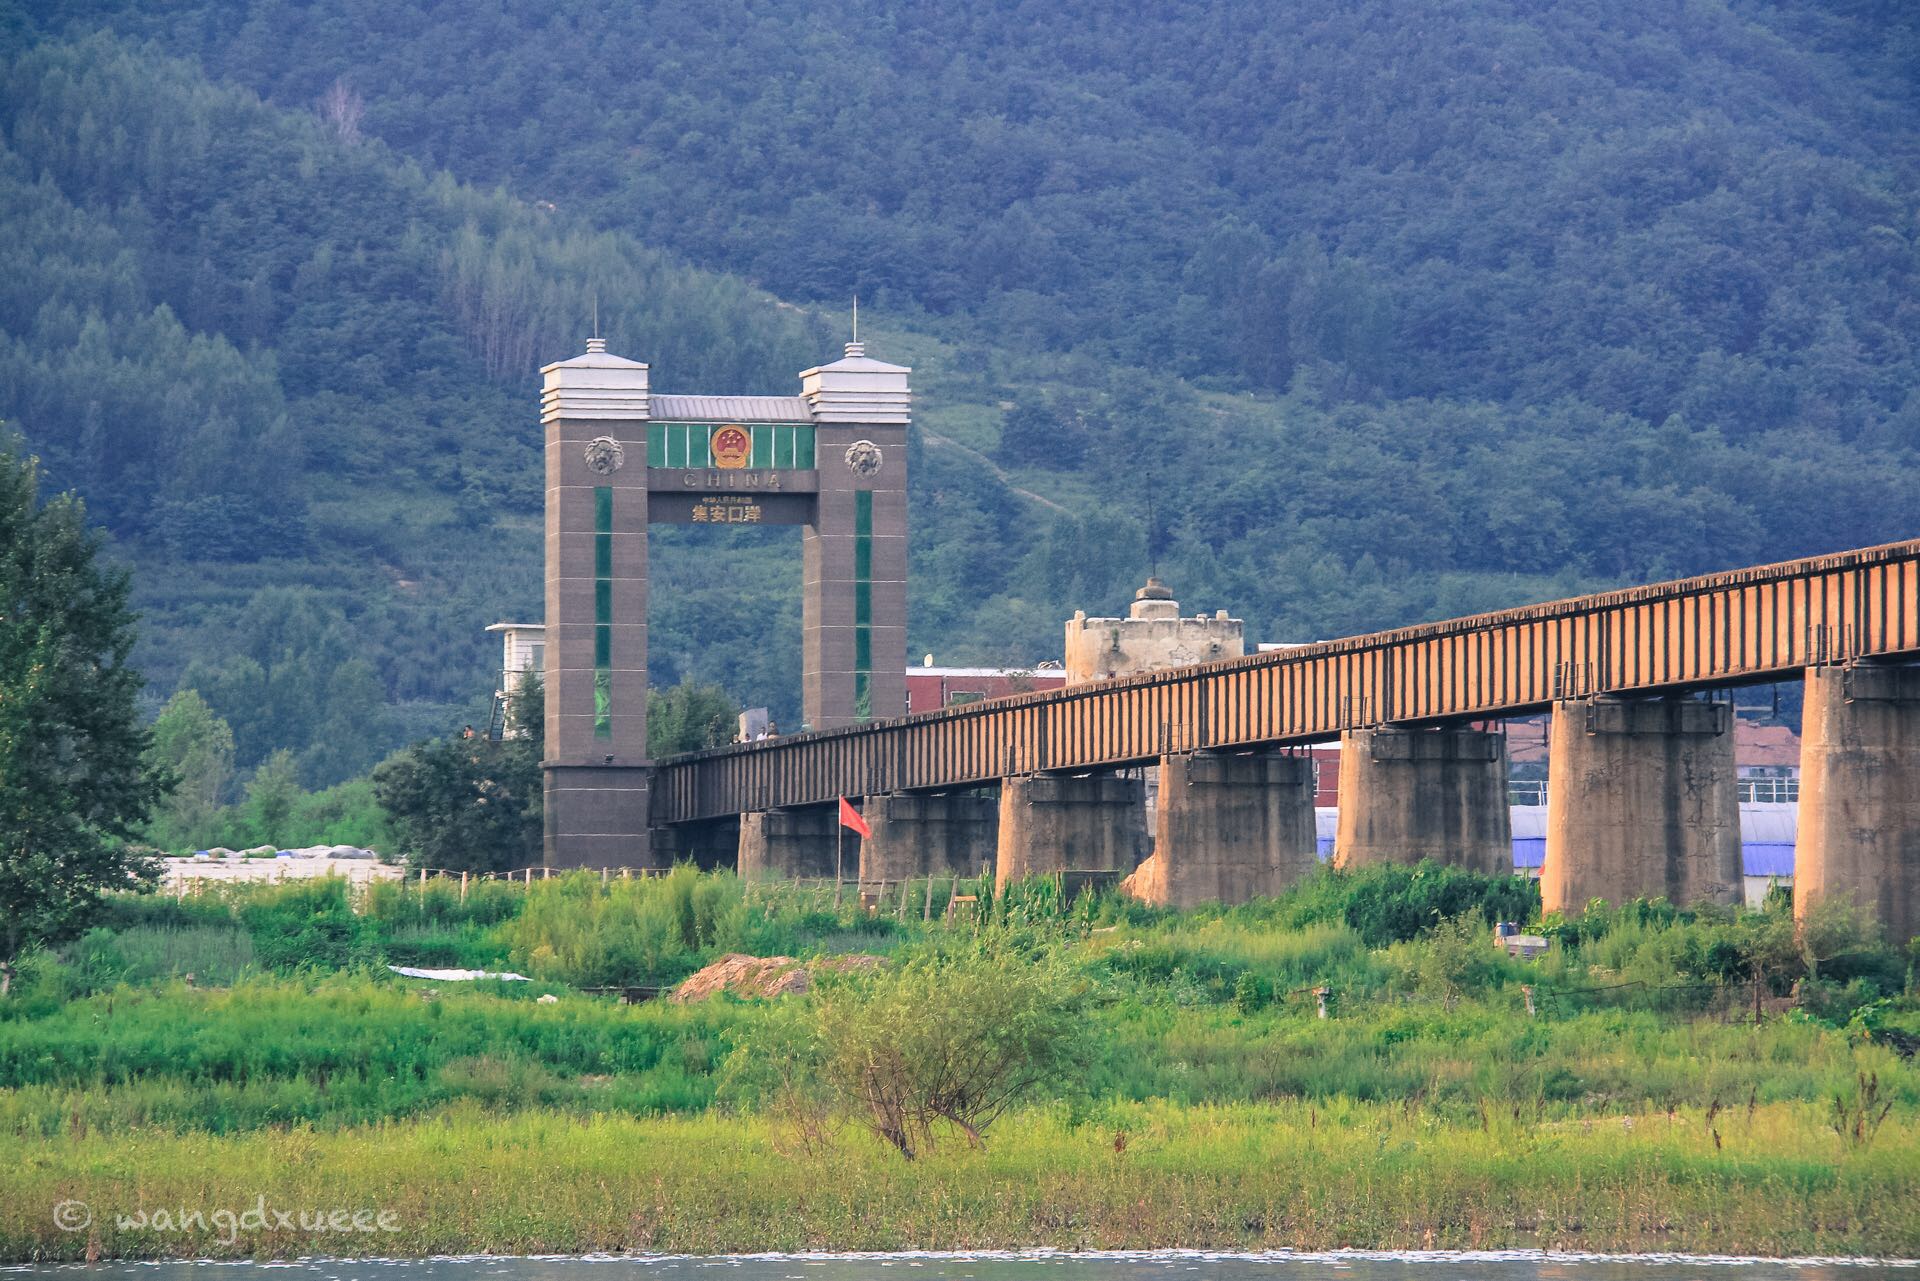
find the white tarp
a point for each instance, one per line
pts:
(456, 976)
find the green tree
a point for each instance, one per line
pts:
(942, 1041)
(464, 804)
(196, 747)
(271, 795)
(75, 782)
(689, 717)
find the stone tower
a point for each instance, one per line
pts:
(1151, 637)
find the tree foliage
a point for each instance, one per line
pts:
(1353, 315)
(196, 748)
(75, 781)
(688, 717)
(464, 804)
(945, 1041)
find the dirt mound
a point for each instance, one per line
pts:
(764, 976)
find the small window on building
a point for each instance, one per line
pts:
(960, 696)
(537, 656)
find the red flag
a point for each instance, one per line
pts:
(850, 817)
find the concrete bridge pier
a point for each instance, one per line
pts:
(712, 843)
(918, 835)
(1409, 794)
(1061, 823)
(794, 844)
(1641, 803)
(1859, 833)
(1228, 828)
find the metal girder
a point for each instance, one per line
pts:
(1749, 625)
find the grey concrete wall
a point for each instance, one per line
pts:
(917, 836)
(1860, 794)
(797, 843)
(1056, 823)
(1641, 803)
(1441, 794)
(596, 816)
(1228, 829)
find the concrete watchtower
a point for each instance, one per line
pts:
(618, 458)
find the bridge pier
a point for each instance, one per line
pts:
(709, 844)
(1228, 829)
(1859, 834)
(1641, 803)
(1060, 823)
(1409, 794)
(918, 835)
(797, 843)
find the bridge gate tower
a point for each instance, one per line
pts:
(618, 458)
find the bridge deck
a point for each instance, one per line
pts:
(1765, 623)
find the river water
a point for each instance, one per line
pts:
(1119, 1266)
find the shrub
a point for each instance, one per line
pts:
(944, 1041)
(309, 925)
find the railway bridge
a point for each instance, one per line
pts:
(1641, 795)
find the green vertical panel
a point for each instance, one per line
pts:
(863, 604)
(656, 445)
(762, 446)
(783, 446)
(807, 461)
(603, 611)
(686, 445)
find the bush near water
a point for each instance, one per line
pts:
(1158, 1077)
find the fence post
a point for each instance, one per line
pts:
(926, 913)
(1321, 994)
(1526, 990)
(463, 887)
(529, 872)
(605, 876)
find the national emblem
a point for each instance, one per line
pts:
(731, 446)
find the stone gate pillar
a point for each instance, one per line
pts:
(853, 614)
(594, 410)
(1641, 803)
(1859, 834)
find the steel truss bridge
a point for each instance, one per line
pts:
(1745, 626)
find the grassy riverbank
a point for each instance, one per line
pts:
(1691, 1082)
(1777, 1180)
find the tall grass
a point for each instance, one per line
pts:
(345, 1051)
(1775, 1181)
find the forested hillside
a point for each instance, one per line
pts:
(1341, 315)
(1657, 208)
(266, 358)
